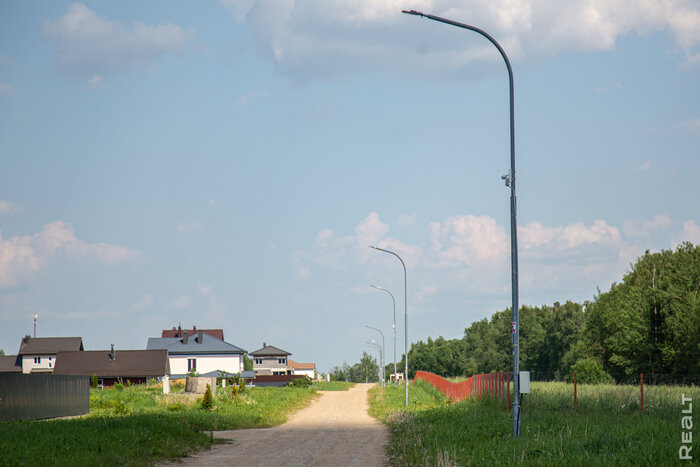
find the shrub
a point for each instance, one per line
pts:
(589, 371)
(93, 381)
(241, 386)
(119, 386)
(300, 382)
(234, 391)
(207, 400)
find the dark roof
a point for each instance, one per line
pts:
(9, 364)
(269, 351)
(49, 345)
(209, 345)
(179, 332)
(126, 363)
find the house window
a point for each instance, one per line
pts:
(258, 361)
(282, 361)
(191, 364)
(37, 360)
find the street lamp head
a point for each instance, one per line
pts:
(412, 12)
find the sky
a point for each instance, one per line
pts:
(227, 164)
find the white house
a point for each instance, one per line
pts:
(38, 354)
(306, 369)
(201, 353)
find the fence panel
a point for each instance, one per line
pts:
(31, 397)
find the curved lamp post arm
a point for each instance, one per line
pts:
(393, 300)
(510, 182)
(405, 317)
(382, 351)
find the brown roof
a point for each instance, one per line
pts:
(179, 332)
(48, 345)
(301, 366)
(126, 363)
(8, 364)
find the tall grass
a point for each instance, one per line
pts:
(139, 425)
(608, 429)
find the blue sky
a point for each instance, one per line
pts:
(226, 164)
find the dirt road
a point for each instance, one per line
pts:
(334, 431)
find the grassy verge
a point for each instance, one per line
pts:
(608, 428)
(331, 385)
(138, 426)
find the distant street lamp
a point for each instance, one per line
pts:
(382, 354)
(378, 348)
(393, 326)
(510, 182)
(405, 317)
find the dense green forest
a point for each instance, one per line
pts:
(649, 323)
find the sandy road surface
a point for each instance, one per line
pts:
(334, 431)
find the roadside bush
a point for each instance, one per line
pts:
(207, 400)
(589, 371)
(300, 382)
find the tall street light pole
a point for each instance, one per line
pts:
(405, 318)
(382, 355)
(393, 326)
(510, 182)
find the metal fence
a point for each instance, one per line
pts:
(31, 397)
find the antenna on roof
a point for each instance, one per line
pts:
(35, 317)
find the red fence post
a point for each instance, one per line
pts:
(575, 394)
(641, 385)
(508, 389)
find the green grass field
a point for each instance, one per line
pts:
(139, 425)
(608, 429)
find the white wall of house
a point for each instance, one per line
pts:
(206, 363)
(309, 373)
(43, 363)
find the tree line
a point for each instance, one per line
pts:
(649, 323)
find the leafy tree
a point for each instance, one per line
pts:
(589, 371)
(651, 321)
(247, 363)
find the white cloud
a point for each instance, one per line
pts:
(690, 233)
(188, 227)
(205, 290)
(181, 302)
(7, 207)
(470, 240)
(692, 126)
(636, 229)
(95, 81)
(239, 8)
(643, 167)
(22, 258)
(245, 100)
(311, 37)
(301, 269)
(87, 43)
(5, 88)
(407, 219)
(144, 303)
